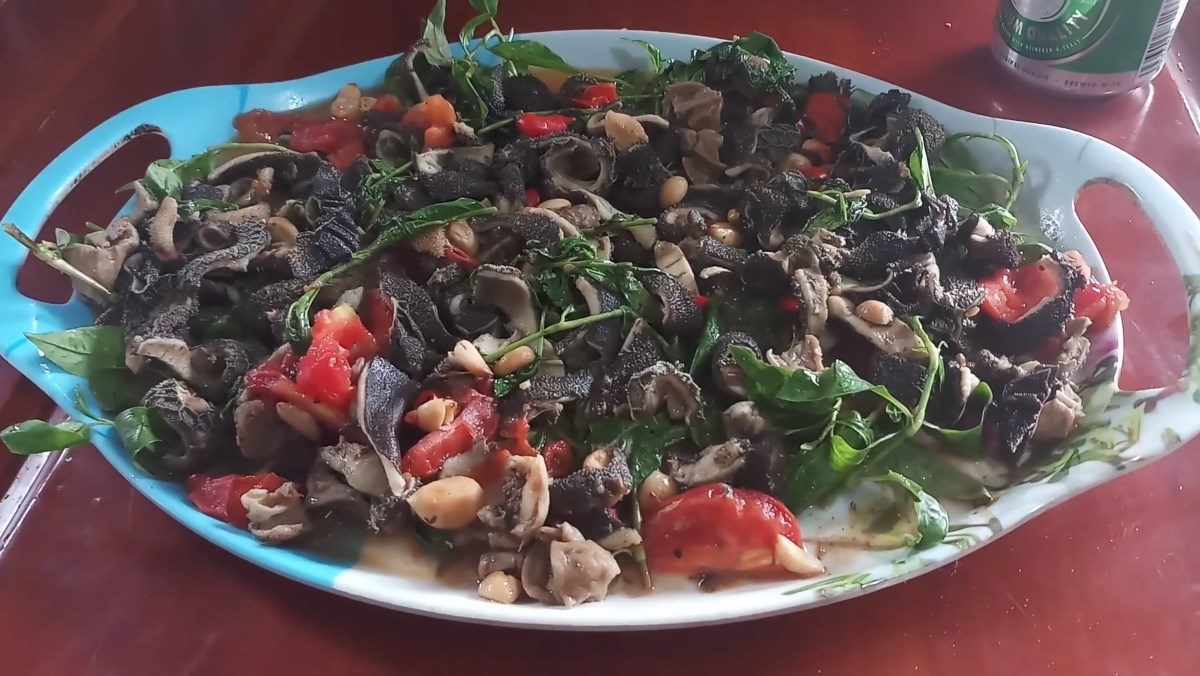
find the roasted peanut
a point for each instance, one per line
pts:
(655, 491)
(875, 312)
(672, 191)
(466, 357)
(795, 558)
(514, 361)
(448, 504)
(500, 587)
(435, 413)
(796, 162)
(624, 130)
(556, 203)
(462, 237)
(726, 232)
(347, 104)
(282, 230)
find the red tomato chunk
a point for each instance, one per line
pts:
(221, 496)
(716, 528)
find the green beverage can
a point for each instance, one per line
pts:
(1086, 47)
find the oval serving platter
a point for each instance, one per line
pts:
(1120, 432)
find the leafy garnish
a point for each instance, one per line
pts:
(931, 519)
(958, 175)
(395, 230)
(167, 177)
(526, 53)
(39, 436)
(578, 256)
(708, 338)
(83, 351)
(645, 442)
(802, 391)
(133, 425)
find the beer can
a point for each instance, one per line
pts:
(1085, 47)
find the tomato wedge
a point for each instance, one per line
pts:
(324, 374)
(346, 329)
(716, 528)
(1010, 293)
(560, 459)
(221, 496)
(532, 125)
(597, 95)
(827, 111)
(477, 422)
(434, 111)
(1100, 303)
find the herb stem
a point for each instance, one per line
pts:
(1018, 171)
(492, 357)
(50, 256)
(495, 125)
(915, 203)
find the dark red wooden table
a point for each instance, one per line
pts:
(95, 580)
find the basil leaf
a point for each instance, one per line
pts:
(83, 351)
(754, 60)
(434, 33)
(708, 339)
(940, 478)
(526, 53)
(115, 388)
(998, 215)
(162, 178)
(201, 204)
(932, 521)
(918, 165)
(487, 8)
(967, 442)
(970, 189)
(656, 60)
(39, 436)
(807, 390)
(467, 33)
(133, 426)
(469, 102)
(645, 443)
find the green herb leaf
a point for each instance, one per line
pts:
(802, 389)
(39, 436)
(967, 442)
(133, 425)
(83, 351)
(931, 519)
(487, 8)
(645, 442)
(526, 53)
(202, 204)
(708, 338)
(754, 60)
(162, 178)
(918, 165)
(959, 175)
(434, 32)
(941, 479)
(468, 102)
